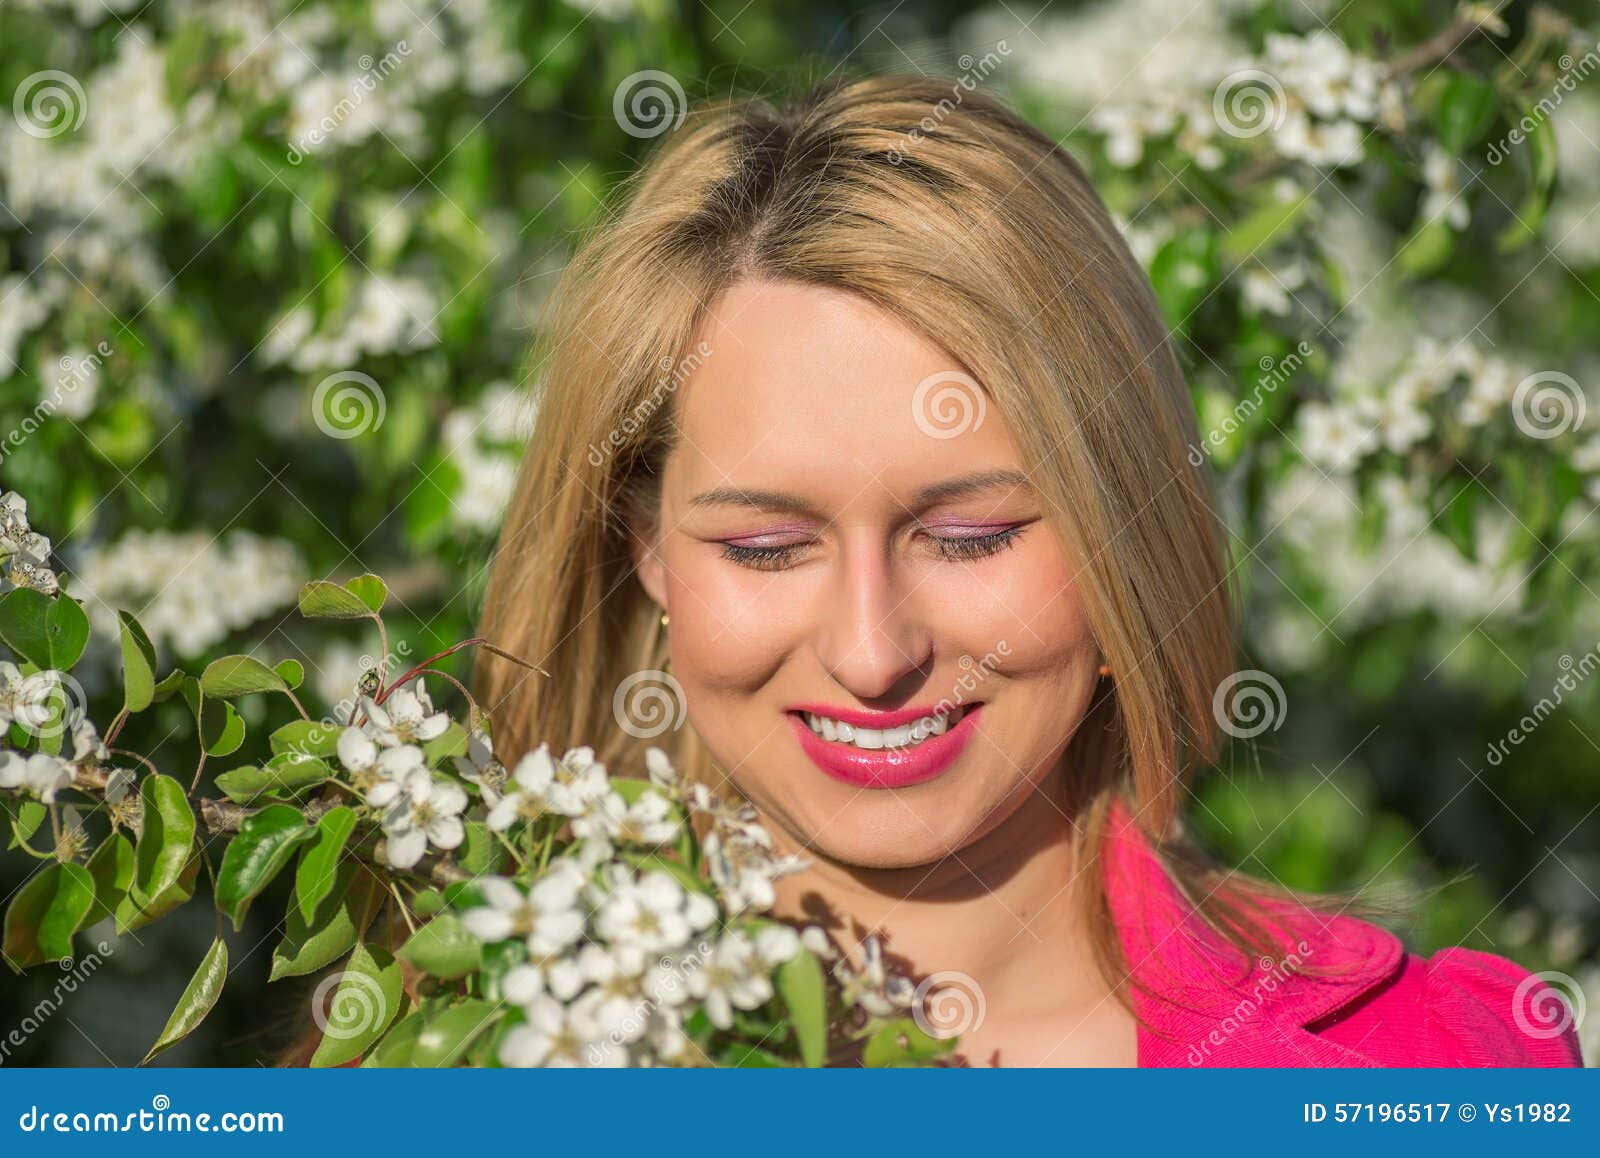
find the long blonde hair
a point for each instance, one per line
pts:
(962, 220)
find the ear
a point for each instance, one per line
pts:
(647, 565)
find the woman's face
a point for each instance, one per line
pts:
(834, 559)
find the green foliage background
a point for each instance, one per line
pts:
(173, 248)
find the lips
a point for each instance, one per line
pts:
(890, 767)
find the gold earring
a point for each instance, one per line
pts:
(665, 619)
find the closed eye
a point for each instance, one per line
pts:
(951, 548)
(964, 548)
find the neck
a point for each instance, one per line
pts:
(1006, 910)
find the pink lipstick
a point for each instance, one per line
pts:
(904, 747)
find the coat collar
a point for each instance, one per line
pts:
(1199, 1004)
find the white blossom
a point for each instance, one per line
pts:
(648, 820)
(556, 1035)
(423, 812)
(1332, 435)
(189, 590)
(546, 915)
(37, 773)
(379, 774)
(653, 914)
(1443, 197)
(732, 977)
(407, 716)
(541, 784)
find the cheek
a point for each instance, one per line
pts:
(730, 628)
(1021, 607)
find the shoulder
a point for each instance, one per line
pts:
(1460, 1007)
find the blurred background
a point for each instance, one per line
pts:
(270, 271)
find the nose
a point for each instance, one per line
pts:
(872, 637)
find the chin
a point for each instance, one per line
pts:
(903, 829)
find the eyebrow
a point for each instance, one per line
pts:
(947, 490)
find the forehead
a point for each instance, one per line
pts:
(814, 388)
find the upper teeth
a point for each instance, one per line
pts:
(875, 738)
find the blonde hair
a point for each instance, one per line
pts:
(971, 226)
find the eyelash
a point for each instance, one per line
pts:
(960, 549)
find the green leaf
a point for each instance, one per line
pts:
(1457, 518)
(901, 1042)
(239, 675)
(1427, 248)
(427, 903)
(1182, 273)
(291, 671)
(308, 737)
(138, 664)
(1258, 228)
(172, 682)
(371, 590)
(1529, 216)
(49, 633)
(682, 873)
(338, 923)
(166, 839)
(805, 995)
(52, 906)
(450, 742)
(448, 1035)
(498, 960)
(26, 817)
(134, 914)
(286, 773)
(198, 998)
(394, 1051)
(319, 864)
(749, 1057)
(111, 866)
(442, 948)
(321, 599)
(369, 996)
(1466, 110)
(480, 853)
(265, 843)
(220, 728)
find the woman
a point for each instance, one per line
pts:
(860, 420)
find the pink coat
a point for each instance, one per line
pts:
(1385, 1006)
